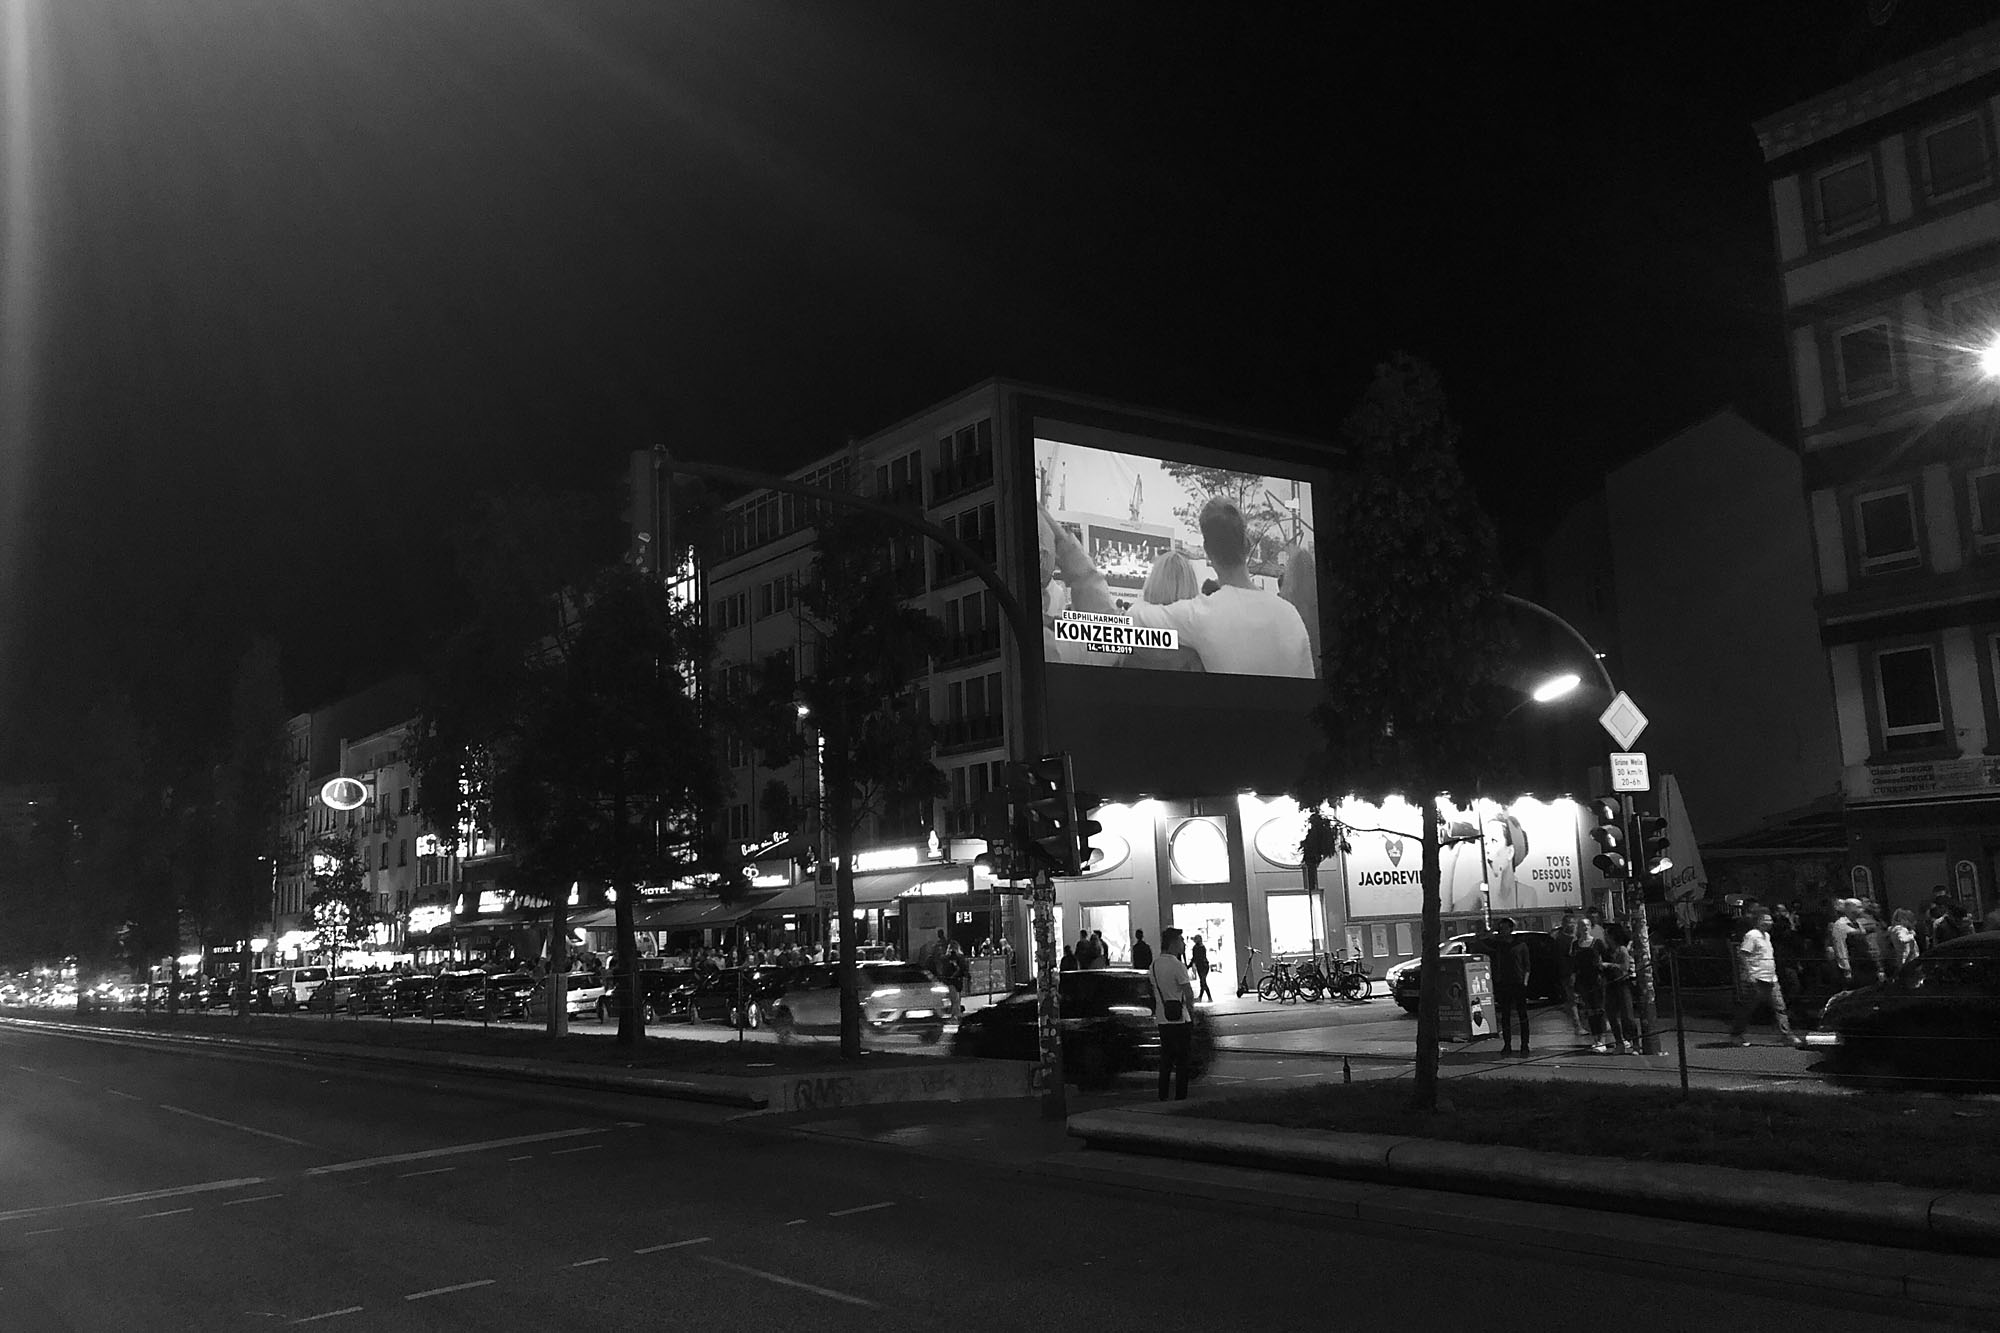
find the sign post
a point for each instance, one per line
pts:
(1624, 723)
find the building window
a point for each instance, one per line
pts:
(774, 597)
(403, 802)
(1954, 158)
(403, 852)
(1886, 523)
(385, 856)
(1907, 694)
(739, 823)
(738, 751)
(1845, 195)
(1865, 356)
(975, 527)
(1985, 486)
(901, 481)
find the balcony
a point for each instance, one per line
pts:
(966, 733)
(950, 569)
(1966, 778)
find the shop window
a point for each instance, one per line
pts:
(1846, 198)
(1911, 707)
(1865, 357)
(1886, 527)
(1954, 157)
(1297, 923)
(1115, 920)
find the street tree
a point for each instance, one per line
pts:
(1417, 645)
(564, 720)
(855, 705)
(250, 792)
(339, 905)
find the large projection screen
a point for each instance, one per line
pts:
(1181, 626)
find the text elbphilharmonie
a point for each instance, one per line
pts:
(1111, 634)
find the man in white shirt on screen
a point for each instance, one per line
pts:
(1237, 629)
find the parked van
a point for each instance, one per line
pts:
(303, 982)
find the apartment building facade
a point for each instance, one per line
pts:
(1885, 206)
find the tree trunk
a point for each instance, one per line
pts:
(1423, 1092)
(555, 983)
(243, 980)
(840, 802)
(625, 915)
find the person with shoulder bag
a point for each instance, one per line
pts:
(1173, 998)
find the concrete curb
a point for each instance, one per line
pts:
(1901, 1215)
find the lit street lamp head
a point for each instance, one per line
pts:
(1988, 358)
(1555, 687)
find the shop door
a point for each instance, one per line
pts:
(1211, 922)
(1908, 879)
(1115, 920)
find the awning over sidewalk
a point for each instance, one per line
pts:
(933, 880)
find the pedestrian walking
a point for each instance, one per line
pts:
(1565, 942)
(1509, 955)
(1142, 952)
(1173, 996)
(1586, 959)
(1619, 1015)
(1902, 939)
(1199, 959)
(1757, 965)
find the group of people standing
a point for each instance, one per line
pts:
(1599, 974)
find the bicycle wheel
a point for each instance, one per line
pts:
(1269, 989)
(1351, 986)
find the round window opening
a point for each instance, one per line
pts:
(1200, 853)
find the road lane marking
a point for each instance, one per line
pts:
(171, 1212)
(672, 1245)
(126, 1095)
(585, 1263)
(259, 1198)
(67, 1079)
(395, 1159)
(434, 1171)
(524, 1157)
(864, 1208)
(330, 1314)
(231, 1124)
(560, 1152)
(796, 1222)
(446, 1291)
(784, 1281)
(146, 1196)
(47, 1231)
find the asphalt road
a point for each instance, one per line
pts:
(150, 1189)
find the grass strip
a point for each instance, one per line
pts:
(1923, 1139)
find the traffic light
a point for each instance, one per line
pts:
(1614, 857)
(1651, 835)
(1081, 804)
(997, 825)
(1047, 826)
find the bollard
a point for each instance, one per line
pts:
(1346, 1071)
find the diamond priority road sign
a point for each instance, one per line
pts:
(1623, 720)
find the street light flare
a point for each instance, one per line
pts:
(1555, 687)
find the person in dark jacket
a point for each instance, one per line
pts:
(1509, 955)
(1069, 962)
(1198, 964)
(1142, 952)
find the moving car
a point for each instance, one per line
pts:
(1544, 969)
(1940, 1016)
(895, 997)
(1108, 1027)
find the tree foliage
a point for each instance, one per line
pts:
(339, 905)
(1418, 642)
(1269, 523)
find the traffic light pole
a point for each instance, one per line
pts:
(1642, 935)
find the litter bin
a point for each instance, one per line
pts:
(1465, 1003)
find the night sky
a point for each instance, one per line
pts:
(293, 280)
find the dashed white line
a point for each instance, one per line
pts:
(46, 1231)
(560, 1152)
(330, 1314)
(231, 1124)
(67, 1079)
(171, 1212)
(434, 1171)
(784, 1281)
(130, 1097)
(395, 1159)
(446, 1291)
(585, 1263)
(672, 1245)
(796, 1222)
(147, 1196)
(257, 1198)
(524, 1157)
(864, 1208)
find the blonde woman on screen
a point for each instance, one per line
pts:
(1173, 579)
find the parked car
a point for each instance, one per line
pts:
(274, 989)
(506, 995)
(455, 990)
(1544, 968)
(1938, 1017)
(409, 995)
(895, 998)
(331, 995)
(1108, 1027)
(584, 995)
(368, 994)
